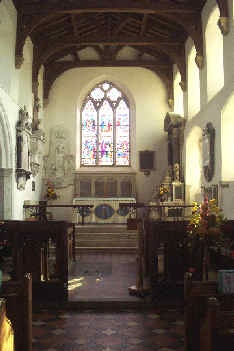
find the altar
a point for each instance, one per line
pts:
(102, 210)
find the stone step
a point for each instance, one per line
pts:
(106, 243)
(104, 249)
(104, 236)
(100, 228)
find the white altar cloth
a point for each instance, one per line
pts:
(103, 203)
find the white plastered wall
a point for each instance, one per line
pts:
(178, 93)
(211, 111)
(15, 93)
(147, 97)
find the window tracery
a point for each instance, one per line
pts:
(105, 127)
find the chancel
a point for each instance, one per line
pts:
(116, 175)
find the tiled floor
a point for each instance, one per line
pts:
(102, 276)
(96, 331)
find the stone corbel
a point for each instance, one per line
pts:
(171, 103)
(223, 24)
(183, 85)
(19, 59)
(199, 59)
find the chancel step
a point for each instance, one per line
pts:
(105, 237)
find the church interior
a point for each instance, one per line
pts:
(116, 187)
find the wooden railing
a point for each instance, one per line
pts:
(29, 242)
(40, 211)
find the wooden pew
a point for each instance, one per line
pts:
(6, 330)
(162, 244)
(196, 296)
(18, 295)
(217, 332)
(30, 243)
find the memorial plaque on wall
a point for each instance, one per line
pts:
(146, 160)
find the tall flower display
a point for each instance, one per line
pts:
(206, 220)
(205, 227)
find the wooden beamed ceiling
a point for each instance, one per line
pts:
(156, 30)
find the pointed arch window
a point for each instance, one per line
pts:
(105, 127)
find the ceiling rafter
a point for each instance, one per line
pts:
(139, 6)
(155, 27)
(144, 24)
(74, 25)
(43, 13)
(51, 48)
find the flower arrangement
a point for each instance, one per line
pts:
(50, 192)
(204, 231)
(206, 220)
(163, 191)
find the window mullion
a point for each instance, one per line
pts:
(114, 137)
(97, 139)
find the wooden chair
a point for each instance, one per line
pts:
(18, 295)
(217, 331)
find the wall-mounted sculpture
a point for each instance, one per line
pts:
(59, 164)
(208, 151)
(23, 135)
(174, 125)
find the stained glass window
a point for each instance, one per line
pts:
(105, 137)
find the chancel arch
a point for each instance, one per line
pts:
(227, 146)
(193, 84)
(193, 164)
(214, 55)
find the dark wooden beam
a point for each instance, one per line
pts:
(180, 13)
(105, 6)
(223, 8)
(224, 18)
(74, 25)
(44, 54)
(121, 25)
